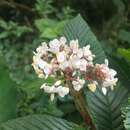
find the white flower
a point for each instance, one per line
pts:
(38, 71)
(47, 69)
(78, 84)
(110, 82)
(87, 53)
(54, 45)
(41, 50)
(38, 65)
(63, 41)
(83, 65)
(49, 89)
(62, 91)
(67, 49)
(61, 56)
(57, 83)
(74, 45)
(64, 65)
(78, 63)
(80, 53)
(41, 63)
(74, 60)
(61, 60)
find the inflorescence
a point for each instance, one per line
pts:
(70, 63)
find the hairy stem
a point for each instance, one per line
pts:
(81, 105)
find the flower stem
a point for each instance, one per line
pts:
(81, 106)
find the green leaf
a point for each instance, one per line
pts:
(31, 87)
(49, 33)
(127, 120)
(39, 122)
(3, 24)
(77, 28)
(49, 28)
(42, 24)
(8, 94)
(125, 53)
(124, 36)
(106, 110)
(126, 115)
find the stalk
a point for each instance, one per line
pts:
(81, 106)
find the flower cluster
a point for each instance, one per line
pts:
(68, 63)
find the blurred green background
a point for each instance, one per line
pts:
(26, 23)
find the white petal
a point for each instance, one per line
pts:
(57, 83)
(86, 51)
(41, 63)
(80, 53)
(104, 90)
(77, 87)
(44, 85)
(112, 72)
(106, 62)
(63, 40)
(74, 73)
(82, 81)
(78, 84)
(64, 65)
(48, 89)
(54, 45)
(90, 58)
(61, 57)
(74, 45)
(62, 91)
(52, 96)
(83, 65)
(48, 69)
(74, 83)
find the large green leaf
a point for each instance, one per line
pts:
(39, 122)
(104, 109)
(8, 94)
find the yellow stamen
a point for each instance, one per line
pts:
(92, 87)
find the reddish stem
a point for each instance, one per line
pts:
(81, 106)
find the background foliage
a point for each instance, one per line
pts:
(24, 24)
